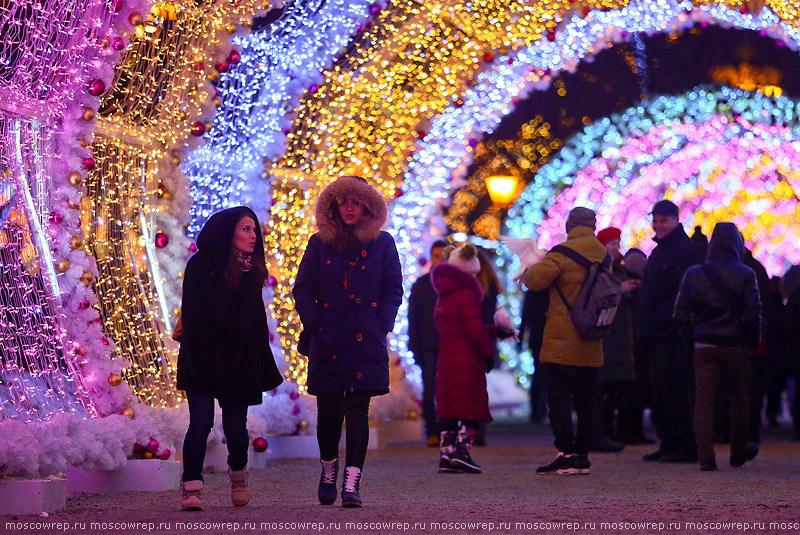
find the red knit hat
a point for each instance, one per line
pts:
(609, 234)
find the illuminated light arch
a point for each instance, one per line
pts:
(725, 155)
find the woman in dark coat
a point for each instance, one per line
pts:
(225, 352)
(466, 352)
(347, 292)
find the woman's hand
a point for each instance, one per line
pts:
(629, 285)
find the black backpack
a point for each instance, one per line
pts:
(597, 302)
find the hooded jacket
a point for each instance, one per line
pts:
(668, 262)
(719, 300)
(347, 291)
(225, 349)
(466, 346)
(562, 344)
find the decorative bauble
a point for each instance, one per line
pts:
(72, 205)
(230, 28)
(207, 126)
(56, 218)
(234, 57)
(127, 411)
(260, 444)
(164, 455)
(114, 379)
(148, 455)
(97, 88)
(62, 265)
(105, 42)
(313, 89)
(82, 142)
(295, 410)
(303, 424)
(176, 311)
(397, 192)
(88, 114)
(87, 276)
(374, 9)
(89, 163)
(117, 6)
(167, 196)
(216, 102)
(488, 57)
(75, 178)
(213, 76)
(162, 240)
(84, 304)
(175, 160)
(198, 129)
(180, 274)
(273, 282)
(182, 115)
(135, 19)
(412, 415)
(80, 351)
(223, 66)
(118, 44)
(152, 446)
(75, 242)
(192, 248)
(104, 340)
(138, 448)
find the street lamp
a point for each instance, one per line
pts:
(502, 189)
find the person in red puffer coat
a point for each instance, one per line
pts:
(466, 350)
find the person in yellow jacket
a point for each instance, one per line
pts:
(570, 363)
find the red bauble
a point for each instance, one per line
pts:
(138, 448)
(164, 455)
(295, 410)
(88, 163)
(97, 88)
(551, 36)
(488, 57)
(152, 446)
(117, 6)
(198, 129)
(294, 395)
(223, 67)
(260, 444)
(162, 240)
(84, 305)
(397, 192)
(118, 44)
(56, 218)
(234, 57)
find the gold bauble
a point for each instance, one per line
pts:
(230, 28)
(88, 114)
(175, 160)
(114, 379)
(180, 274)
(217, 102)
(75, 178)
(303, 424)
(62, 265)
(148, 455)
(207, 124)
(72, 205)
(176, 312)
(80, 351)
(213, 76)
(82, 142)
(412, 415)
(182, 115)
(167, 196)
(75, 242)
(127, 411)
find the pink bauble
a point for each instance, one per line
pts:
(152, 446)
(260, 444)
(164, 455)
(118, 44)
(88, 163)
(97, 88)
(192, 248)
(162, 240)
(294, 395)
(138, 448)
(313, 89)
(295, 410)
(56, 218)
(117, 6)
(84, 304)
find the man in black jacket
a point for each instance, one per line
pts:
(669, 355)
(718, 303)
(423, 341)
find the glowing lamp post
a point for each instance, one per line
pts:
(502, 189)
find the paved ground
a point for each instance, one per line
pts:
(403, 492)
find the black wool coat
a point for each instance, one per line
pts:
(666, 266)
(225, 349)
(422, 333)
(348, 300)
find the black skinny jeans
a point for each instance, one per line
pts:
(201, 420)
(352, 408)
(571, 387)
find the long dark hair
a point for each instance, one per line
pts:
(487, 274)
(215, 241)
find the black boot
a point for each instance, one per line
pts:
(327, 481)
(447, 441)
(350, 483)
(460, 458)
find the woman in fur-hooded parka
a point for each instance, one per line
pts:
(347, 291)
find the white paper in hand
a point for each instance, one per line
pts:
(526, 249)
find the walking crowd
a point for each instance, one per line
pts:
(610, 333)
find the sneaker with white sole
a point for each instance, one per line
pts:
(564, 465)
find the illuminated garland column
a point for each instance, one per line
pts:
(113, 220)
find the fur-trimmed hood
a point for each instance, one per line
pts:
(332, 230)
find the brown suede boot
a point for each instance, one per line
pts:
(240, 491)
(192, 495)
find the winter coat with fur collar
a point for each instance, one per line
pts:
(466, 346)
(347, 291)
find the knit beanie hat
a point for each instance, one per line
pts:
(465, 258)
(609, 234)
(581, 217)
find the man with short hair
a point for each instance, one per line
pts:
(569, 361)
(423, 341)
(670, 356)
